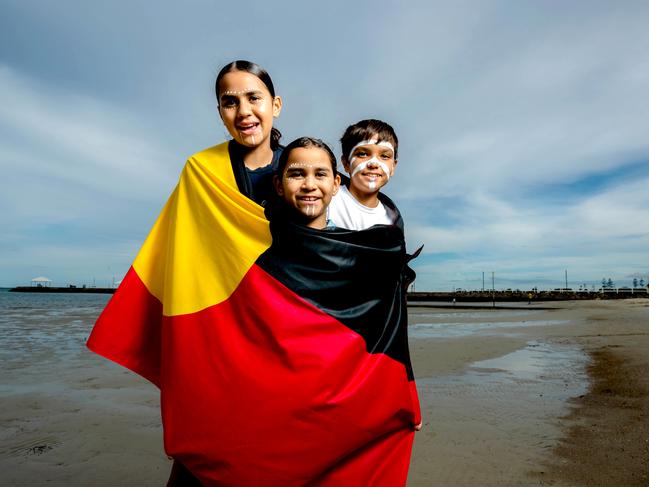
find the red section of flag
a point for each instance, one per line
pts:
(129, 329)
(266, 389)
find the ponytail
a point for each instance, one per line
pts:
(275, 135)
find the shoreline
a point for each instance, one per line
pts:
(606, 434)
(494, 387)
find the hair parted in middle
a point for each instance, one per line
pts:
(306, 143)
(259, 72)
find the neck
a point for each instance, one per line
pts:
(318, 223)
(256, 157)
(371, 200)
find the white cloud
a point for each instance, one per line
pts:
(495, 103)
(79, 140)
(557, 102)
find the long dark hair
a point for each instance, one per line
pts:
(262, 74)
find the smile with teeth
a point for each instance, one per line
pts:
(309, 200)
(248, 128)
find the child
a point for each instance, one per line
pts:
(248, 106)
(369, 157)
(307, 179)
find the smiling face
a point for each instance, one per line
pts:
(370, 165)
(308, 184)
(247, 108)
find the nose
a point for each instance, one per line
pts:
(373, 163)
(245, 108)
(309, 183)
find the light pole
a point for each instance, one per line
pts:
(566, 280)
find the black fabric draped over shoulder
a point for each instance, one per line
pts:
(358, 277)
(256, 185)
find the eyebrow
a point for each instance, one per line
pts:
(382, 149)
(233, 93)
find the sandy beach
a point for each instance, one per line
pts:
(509, 397)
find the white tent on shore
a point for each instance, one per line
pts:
(41, 282)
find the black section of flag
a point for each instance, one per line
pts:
(359, 278)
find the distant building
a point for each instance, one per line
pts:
(41, 282)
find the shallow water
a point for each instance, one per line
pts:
(559, 369)
(454, 329)
(45, 329)
(500, 415)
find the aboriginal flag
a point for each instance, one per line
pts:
(281, 361)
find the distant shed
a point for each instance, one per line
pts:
(41, 282)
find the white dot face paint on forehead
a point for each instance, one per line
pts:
(383, 143)
(300, 164)
(306, 165)
(241, 92)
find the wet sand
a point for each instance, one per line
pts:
(552, 397)
(593, 431)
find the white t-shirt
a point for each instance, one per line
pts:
(346, 212)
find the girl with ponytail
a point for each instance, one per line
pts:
(247, 105)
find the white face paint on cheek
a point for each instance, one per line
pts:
(363, 165)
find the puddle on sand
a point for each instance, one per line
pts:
(500, 416)
(454, 330)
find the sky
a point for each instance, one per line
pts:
(523, 146)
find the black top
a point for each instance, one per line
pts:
(256, 184)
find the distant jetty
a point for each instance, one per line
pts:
(69, 289)
(529, 296)
(420, 297)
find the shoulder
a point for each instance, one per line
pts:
(276, 155)
(216, 151)
(391, 209)
(342, 198)
(214, 160)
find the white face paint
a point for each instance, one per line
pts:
(299, 164)
(238, 93)
(371, 163)
(230, 104)
(371, 142)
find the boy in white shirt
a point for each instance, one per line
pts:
(369, 157)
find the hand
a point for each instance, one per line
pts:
(418, 426)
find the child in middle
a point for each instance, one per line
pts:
(306, 179)
(369, 156)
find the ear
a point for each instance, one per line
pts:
(218, 109)
(394, 166)
(278, 185)
(277, 106)
(336, 183)
(345, 163)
